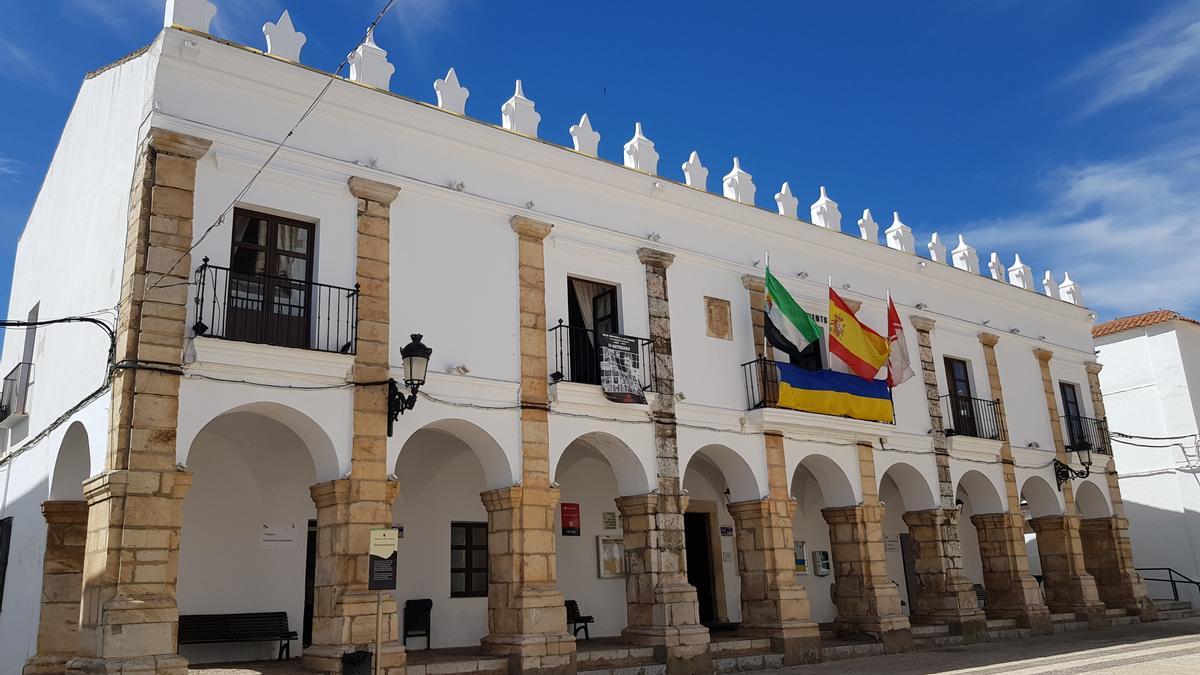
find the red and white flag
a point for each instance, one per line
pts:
(898, 369)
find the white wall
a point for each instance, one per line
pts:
(893, 527)
(705, 483)
(810, 527)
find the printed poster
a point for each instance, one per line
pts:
(620, 364)
(569, 512)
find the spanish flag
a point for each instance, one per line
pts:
(832, 393)
(859, 347)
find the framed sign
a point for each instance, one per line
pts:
(801, 561)
(274, 536)
(569, 512)
(610, 556)
(381, 563)
(610, 520)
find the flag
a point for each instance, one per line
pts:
(832, 393)
(898, 369)
(859, 347)
(789, 328)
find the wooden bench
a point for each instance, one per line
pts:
(577, 621)
(248, 627)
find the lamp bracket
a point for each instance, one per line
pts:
(1063, 473)
(398, 402)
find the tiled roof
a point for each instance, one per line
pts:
(1138, 321)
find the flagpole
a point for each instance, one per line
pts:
(828, 356)
(766, 298)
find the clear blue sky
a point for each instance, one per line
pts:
(1063, 129)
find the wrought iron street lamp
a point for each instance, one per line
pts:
(1063, 472)
(416, 365)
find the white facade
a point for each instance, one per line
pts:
(1151, 384)
(256, 446)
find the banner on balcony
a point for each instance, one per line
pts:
(832, 393)
(620, 365)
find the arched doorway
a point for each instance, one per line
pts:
(975, 495)
(72, 465)
(818, 482)
(1037, 499)
(902, 488)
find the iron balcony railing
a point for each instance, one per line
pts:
(1087, 433)
(976, 417)
(762, 383)
(580, 353)
(274, 310)
(15, 394)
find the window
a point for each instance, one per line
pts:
(5, 539)
(270, 269)
(1073, 414)
(962, 409)
(591, 309)
(468, 560)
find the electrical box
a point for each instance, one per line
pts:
(822, 566)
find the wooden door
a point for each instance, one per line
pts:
(270, 269)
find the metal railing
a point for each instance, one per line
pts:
(762, 383)
(1173, 577)
(976, 417)
(15, 394)
(1087, 433)
(579, 354)
(274, 310)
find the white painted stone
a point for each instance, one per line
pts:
(1070, 291)
(899, 236)
(283, 40)
(786, 201)
(518, 114)
(868, 229)
(937, 250)
(694, 173)
(1020, 274)
(587, 140)
(964, 256)
(452, 96)
(824, 212)
(640, 153)
(738, 185)
(996, 267)
(195, 14)
(369, 64)
(1049, 286)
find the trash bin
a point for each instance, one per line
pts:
(356, 663)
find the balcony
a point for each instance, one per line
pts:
(616, 362)
(271, 310)
(823, 392)
(975, 417)
(15, 394)
(1087, 434)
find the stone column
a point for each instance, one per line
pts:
(1012, 591)
(62, 579)
(1068, 586)
(944, 594)
(527, 621)
(1119, 583)
(129, 619)
(349, 508)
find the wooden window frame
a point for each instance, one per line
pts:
(469, 570)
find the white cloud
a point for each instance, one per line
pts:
(1160, 57)
(116, 15)
(9, 166)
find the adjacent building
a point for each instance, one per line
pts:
(598, 422)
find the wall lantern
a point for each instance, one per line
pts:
(1063, 472)
(416, 364)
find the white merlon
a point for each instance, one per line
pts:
(283, 40)
(899, 236)
(587, 140)
(1020, 274)
(369, 64)
(964, 256)
(786, 201)
(640, 153)
(452, 96)
(996, 267)
(1049, 285)
(738, 185)
(937, 250)
(694, 173)
(868, 229)
(1070, 291)
(195, 14)
(518, 114)
(824, 212)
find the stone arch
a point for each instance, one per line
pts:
(835, 486)
(739, 477)
(630, 474)
(982, 493)
(72, 465)
(320, 446)
(496, 469)
(914, 489)
(1091, 502)
(1040, 498)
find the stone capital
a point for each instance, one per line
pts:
(1093, 367)
(923, 324)
(754, 283)
(175, 143)
(65, 512)
(1043, 354)
(528, 227)
(373, 190)
(988, 339)
(655, 258)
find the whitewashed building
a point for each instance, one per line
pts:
(228, 451)
(1151, 384)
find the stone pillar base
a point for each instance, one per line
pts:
(1108, 556)
(47, 664)
(169, 664)
(538, 654)
(1069, 587)
(327, 659)
(894, 632)
(1012, 591)
(683, 648)
(130, 628)
(798, 641)
(1034, 617)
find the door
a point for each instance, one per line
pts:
(1074, 415)
(591, 309)
(700, 564)
(962, 410)
(910, 570)
(310, 582)
(270, 271)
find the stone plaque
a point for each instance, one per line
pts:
(718, 318)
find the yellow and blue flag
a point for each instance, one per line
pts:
(831, 393)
